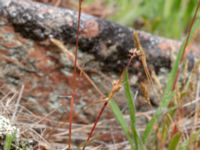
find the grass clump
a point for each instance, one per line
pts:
(155, 16)
(173, 138)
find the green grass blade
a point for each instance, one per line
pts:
(174, 141)
(167, 8)
(130, 99)
(122, 122)
(8, 141)
(168, 93)
(132, 111)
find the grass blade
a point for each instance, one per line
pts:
(174, 141)
(8, 141)
(132, 111)
(122, 122)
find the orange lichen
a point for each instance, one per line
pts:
(91, 29)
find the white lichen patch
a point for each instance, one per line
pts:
(7, 128)
(4, 3)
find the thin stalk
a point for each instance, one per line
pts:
(95, 124)
(186, 42)
(74, 84)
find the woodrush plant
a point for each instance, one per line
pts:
(136, 141)
(172, 79)
(168, 95)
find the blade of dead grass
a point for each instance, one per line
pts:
(172, 79)
(140, 53)
(17, 104)
(71, 56)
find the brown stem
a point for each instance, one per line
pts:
(95, 124)
(74, 77)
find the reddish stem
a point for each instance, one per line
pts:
(70, 121)
(74, 84)
(95, 124)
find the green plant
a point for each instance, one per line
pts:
(133, 136)
(167, 97)
(8, 142)
(169, 90)
(168, 18)
(170, 12)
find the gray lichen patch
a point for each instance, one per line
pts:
(7, 128)
(4, 3)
